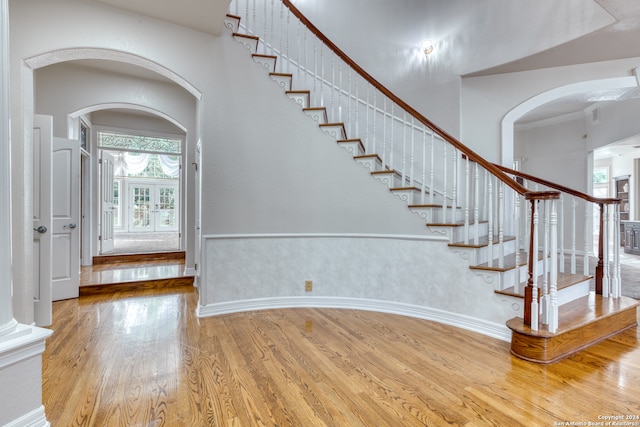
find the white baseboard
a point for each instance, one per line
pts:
(490, 329)
(35, 418)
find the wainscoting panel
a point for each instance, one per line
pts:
(405, 275)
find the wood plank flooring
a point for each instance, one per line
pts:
(142, 358)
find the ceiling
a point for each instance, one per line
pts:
(484, 37)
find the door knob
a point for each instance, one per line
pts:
(42, 229)
(71, 225)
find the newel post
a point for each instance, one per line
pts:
(600, 265)
(530, 314)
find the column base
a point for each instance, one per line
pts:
(21, 377)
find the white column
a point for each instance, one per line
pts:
(21, 346)
(7, 323)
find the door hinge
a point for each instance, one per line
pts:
(196, 267)
(99, 161)
(99, 238)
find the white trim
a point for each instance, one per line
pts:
(508, 122)
(35, 418)
(324, 235)
(70, 54)
(189, 271)
(462, 321)
(26, 342)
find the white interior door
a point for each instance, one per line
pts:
(42, 187)
(66, 217)
(106, 201)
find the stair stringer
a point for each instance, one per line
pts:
(316, 189)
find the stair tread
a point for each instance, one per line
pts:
(483, 241)
(433, 205)
(458, 224)
(565, 280)
(578, 312)
(262, 55)
(281, 75)
(247, 36)
(404, 189)
(509, 262)
(367, 156)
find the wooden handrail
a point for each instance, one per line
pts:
(428, 123)
(562, 188)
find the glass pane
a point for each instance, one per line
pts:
(140, 143)
(141, 207)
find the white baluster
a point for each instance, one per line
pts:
(490, 223)
(288, 51)
(467, 190)
(424, 160)
(553, 309)
(573, 235)
(561, 256)
(412, 154)
(545, 265)
(384, 133)
(585, 257)
(332, 88)
(534, 302)
(357, 106)
(516, 215)
(373, 110)
(392, 141)
(605, 276)
(444, 180)
(432, 171)
(616, 285)
(454, 195)
(404, 146)
(265, 29)
(476, 204)
(501, 212)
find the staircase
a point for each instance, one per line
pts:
(508, 227)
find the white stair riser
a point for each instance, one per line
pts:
(232, 23)
(354, 148)
(283, 81)
(390, 180)
(371, 163)
(267, 62)
(319, 116)
(482, 254)
(249, 44)
(336, 131)
(301, 99)
(436, 215)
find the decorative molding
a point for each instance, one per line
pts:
(26, 342)
(323, 235)
(462, 321)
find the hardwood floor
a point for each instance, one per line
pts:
(142, 358)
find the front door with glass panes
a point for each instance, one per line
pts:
(153, 207)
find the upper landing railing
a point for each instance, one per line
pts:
(521, 216)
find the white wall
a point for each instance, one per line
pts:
(45, 33)
(65, 88)
(486, 100)
(555, 152)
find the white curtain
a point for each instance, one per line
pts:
(136, 163)
(170, 166)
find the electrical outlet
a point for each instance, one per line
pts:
(308, 285)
